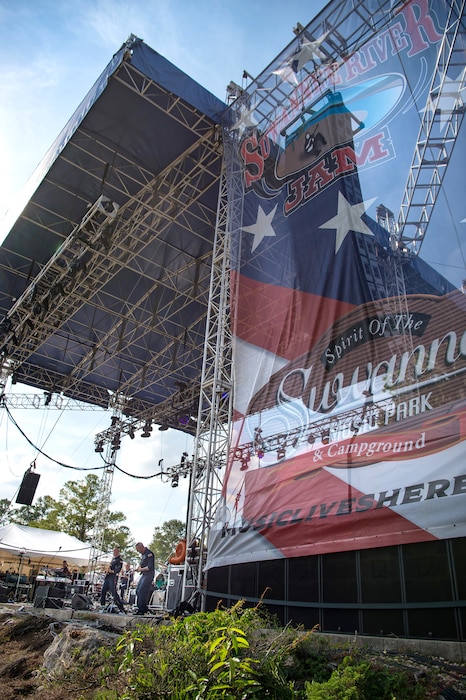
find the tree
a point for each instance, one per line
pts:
(165, 539)
(74, 513)
(44, 514)
(4, 511)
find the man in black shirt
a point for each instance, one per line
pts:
(146, 569)
(110, 581)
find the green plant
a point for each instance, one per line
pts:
(359, 680)
(229, 675)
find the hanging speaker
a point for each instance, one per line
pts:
(28, 488)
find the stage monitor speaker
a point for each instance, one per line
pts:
(52, 603)
(27, 489)
(81, 602)
(44, 599)
(41, 594)
(56, 592)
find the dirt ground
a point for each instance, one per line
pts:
(25, 637)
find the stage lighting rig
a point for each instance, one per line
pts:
(53, 281)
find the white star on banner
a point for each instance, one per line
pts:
(348, 219)
(286, 74)
(308, 51)
(245, 120)
(262, 227)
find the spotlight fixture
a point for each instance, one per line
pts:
(131, 432)
(164, 425)
(114, 420)
(99, 447)
(281, 453)
(116, 442)
(48, 398)
(175, 479)
(147, 429)
(244, 463)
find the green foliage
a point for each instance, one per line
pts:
(242, 653)
(359, 680)
(165, 539)
(74, 513)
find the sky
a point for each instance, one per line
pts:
(51, 53)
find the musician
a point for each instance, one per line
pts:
(126, 579)
(63, 571)
(146, 569)
(110, 582)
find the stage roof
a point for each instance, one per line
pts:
(104, 275)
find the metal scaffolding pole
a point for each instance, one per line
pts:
(215, 406)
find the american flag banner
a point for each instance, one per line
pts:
(349, 343)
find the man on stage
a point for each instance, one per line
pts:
(110, 582)
(146, 569)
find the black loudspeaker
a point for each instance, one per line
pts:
(56, 592)
(28, 488)
(48, 597)
(81, 602)
(52, 603)
(41, 594)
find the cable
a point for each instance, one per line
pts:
(69, 466)
(44, 454)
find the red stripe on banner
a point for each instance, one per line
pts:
(340, 519)
(282, 321)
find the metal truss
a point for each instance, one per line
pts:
(437, 134)
(88, 260)
(215, 405)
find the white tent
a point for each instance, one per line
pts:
(41, 547)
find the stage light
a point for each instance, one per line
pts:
(147, 430)
(281, 453)
(99, 447)
(244, 464)
(164, 425)
(131, 432)
(114, 420)
(57, 289)
(48, 398)
(175, 479)
(116, 442)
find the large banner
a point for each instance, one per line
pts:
(349, 339)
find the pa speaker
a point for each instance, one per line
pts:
(52, 603)
(41, 594)
(56, 592)
(81, 602)
(27, 489)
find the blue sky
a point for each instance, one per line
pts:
(51, 53)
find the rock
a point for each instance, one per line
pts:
(75, 645)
